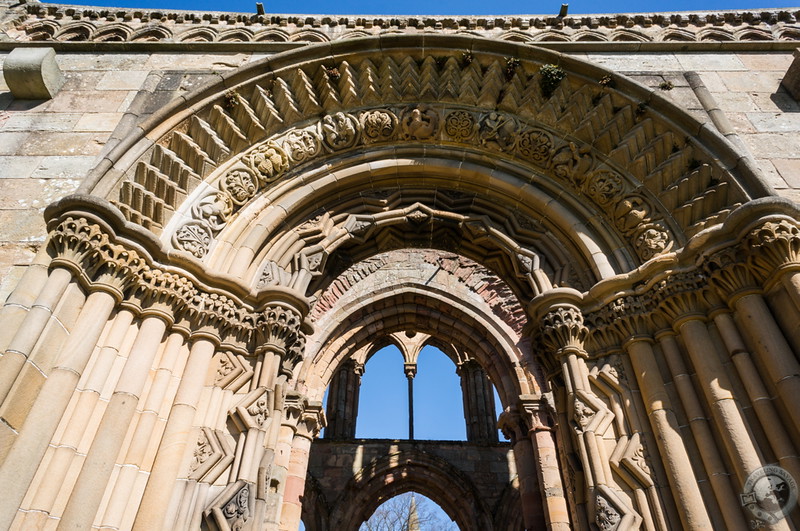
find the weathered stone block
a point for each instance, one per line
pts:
(32, 73)
(791, 81)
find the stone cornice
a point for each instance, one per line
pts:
(56, 23)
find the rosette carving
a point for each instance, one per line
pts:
(604, 186)
(536, 146)
(378, 126)
(460, 125)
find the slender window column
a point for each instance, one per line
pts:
(411, 371)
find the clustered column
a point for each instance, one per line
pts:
(478, 398)
(343, 395)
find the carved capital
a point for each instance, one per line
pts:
(775, 245)
(538, 414)
(277, 329)
(513, 426)
(681, 296)
(563, 331)
(730, 275)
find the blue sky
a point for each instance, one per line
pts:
(441, 7)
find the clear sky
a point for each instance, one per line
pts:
(442, 7)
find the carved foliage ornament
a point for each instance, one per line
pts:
(606, 517)
(563, 329)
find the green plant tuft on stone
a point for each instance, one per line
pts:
(550, 77)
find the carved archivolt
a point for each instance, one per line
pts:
(620, 154)
(267, 162)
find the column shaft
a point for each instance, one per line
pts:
(27, 452)
(715, 469)
(668, 436)
(99, 463)
(719, 396)
(26, 336)
(754, 317)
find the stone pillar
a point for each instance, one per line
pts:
(514, 429)
(734, 280)
(563, 334)
(28, 450)
(478, 399)
(682, 301)
(166, 467)
(342, 407)
(311, 421)
(98, 465)
(731, 508)
(668, 436)
(542, 437)
(26, 336)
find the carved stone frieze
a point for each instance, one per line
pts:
(631, 213)
(85, 248)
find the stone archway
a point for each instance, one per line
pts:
(635, 239)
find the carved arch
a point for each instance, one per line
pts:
(635, 173)
(401, 472)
